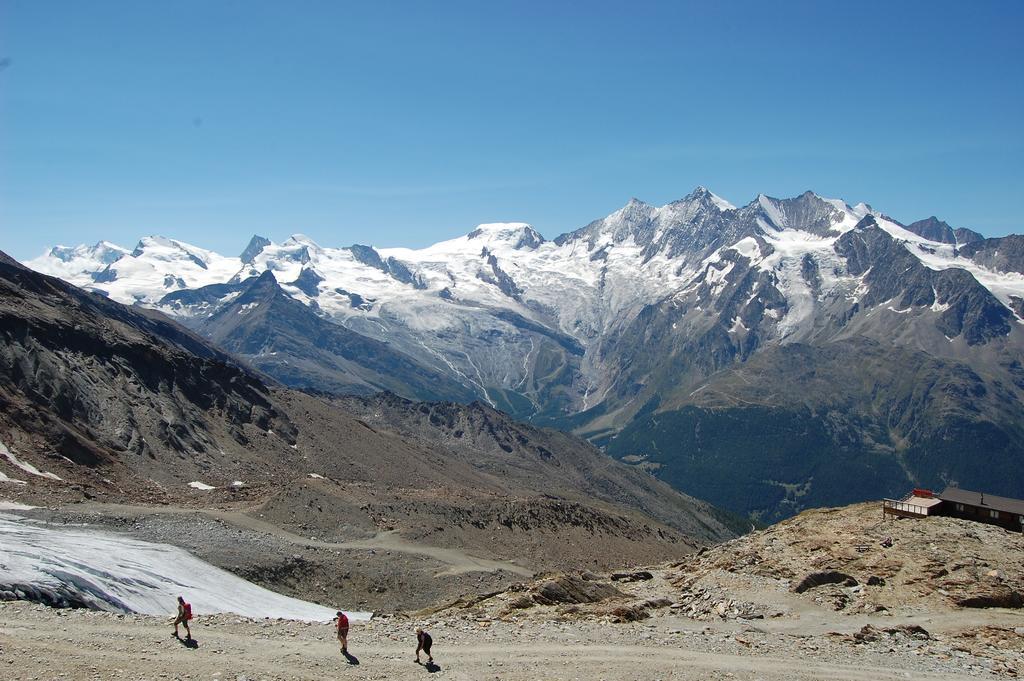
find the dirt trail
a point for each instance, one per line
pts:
(458, 562)
(41, 643)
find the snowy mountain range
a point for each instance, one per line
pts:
(686, 309)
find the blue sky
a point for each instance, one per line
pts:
(396, 123)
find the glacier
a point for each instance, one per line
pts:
(84, 567)
(504, 312)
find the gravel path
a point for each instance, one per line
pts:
(41, 643)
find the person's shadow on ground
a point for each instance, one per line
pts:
(431, 667)
(352, 659)
(188, 642)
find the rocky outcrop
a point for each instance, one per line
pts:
(107, 385)
(573, 589)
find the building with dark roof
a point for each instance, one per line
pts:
(984, 508)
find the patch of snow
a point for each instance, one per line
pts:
(15, 506)
(936, 306)
(772, 211)
(27, 467)
(747, 247)
(13, 481)
(316, 476)
(195, 484)
(720, 202)
(940, 257)
(790, 247)
(119, 574)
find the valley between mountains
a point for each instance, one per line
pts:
(106, 408)
(781, 355)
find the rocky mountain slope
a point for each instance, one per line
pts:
(289, 341)
(647, 325)
(116, 404)
(847, 560)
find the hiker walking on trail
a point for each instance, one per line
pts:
(423, 642)
(342, 621)
(184, 615)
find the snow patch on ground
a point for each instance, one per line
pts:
(195, 484)
(790, 246)
(747, 247)
(15, 506)
(720, 202)
(118, 574)
(27, 467)
(943, 256)
(771, 211)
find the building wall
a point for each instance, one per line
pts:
(981, 514)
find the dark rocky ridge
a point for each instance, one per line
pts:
(1003, 254)
(288, 341)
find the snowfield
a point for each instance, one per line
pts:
(110, 572)
(583, 279)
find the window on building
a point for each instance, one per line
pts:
(960, 507)
(993, 513)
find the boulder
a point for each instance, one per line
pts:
(816, 579)
(638, 576)
(571, 589)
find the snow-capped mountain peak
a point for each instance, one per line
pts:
(78, 264)
(576, 287)
(256, 245)
(704, 195)
(515, 234)
(301, 240)
(103, 252)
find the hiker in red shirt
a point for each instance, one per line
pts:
(184, 615)
(342, 621)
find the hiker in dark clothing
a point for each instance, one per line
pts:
(423, 642)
